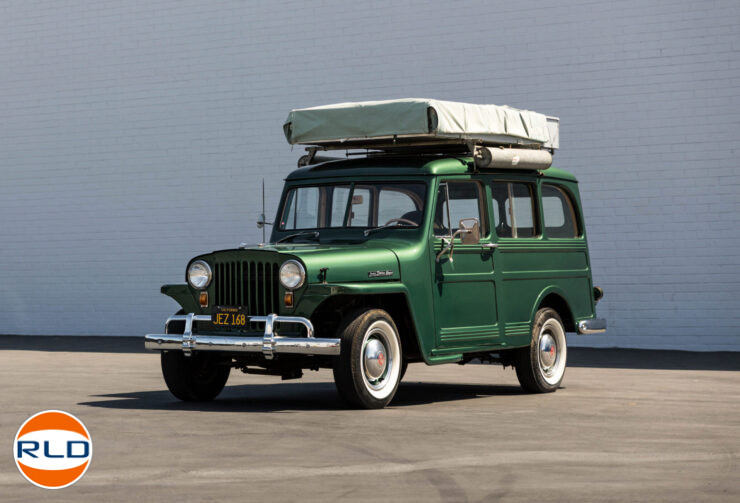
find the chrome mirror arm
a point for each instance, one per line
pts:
(449, 244)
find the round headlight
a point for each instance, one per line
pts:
(199, 274)
(292, 274)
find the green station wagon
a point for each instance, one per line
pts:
(431, 247)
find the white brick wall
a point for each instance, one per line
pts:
(133, 135)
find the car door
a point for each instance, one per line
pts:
(525, 265)
(464, 289)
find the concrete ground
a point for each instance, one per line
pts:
(626, 426)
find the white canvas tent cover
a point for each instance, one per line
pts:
(419, 121)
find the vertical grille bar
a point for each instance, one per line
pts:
(261, 286)
(254, 281)
(223, 284)
(230, 295)
(270, 304)
(226, 283)
(216, 284)
(234, 284)
(220, 285)
(229, 281)
(275, 289)
(266, 287)
(240, 275)
(247, 294)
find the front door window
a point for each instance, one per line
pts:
(458, 200)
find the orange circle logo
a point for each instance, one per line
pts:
(52, 449)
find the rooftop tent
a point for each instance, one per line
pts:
(379, 124)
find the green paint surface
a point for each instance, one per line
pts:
(484, 299)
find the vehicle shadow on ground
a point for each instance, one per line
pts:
(286, 397)
(577, 356)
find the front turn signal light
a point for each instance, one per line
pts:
(288, 299)
(203, 299)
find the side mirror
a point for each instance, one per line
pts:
(469, 233)
(261, 221)
(470, 228)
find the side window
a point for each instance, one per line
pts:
(359, 212)
(396, 204)
(514, 209)
(465, 201)
(558, 212)
(338, 206)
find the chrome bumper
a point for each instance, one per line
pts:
(269, 344)
(592, 326)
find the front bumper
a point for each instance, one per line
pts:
(269, 344)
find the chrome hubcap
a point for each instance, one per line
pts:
(548, 352)
(375, 359)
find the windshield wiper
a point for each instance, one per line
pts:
(313, 234)
(389, 226)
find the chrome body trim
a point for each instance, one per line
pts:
(592, 326)
(269, 344)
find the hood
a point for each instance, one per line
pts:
(344, 263)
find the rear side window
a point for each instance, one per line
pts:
(514, 209)
(560, 216)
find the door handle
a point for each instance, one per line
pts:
(490, 246)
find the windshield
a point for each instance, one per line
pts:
(353, 205)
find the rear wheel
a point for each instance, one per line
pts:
(541, 366)
(368, 369)
(196, 378)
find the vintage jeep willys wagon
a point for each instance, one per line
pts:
(450, 239)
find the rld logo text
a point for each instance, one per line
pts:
(52, 449)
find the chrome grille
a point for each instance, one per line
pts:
(252, 284)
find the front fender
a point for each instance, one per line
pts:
(315, 294)
(423, 325)
(182, 295)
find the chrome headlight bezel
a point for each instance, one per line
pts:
(300, 273)
(205, 272)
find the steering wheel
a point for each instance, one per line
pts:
(400, 221)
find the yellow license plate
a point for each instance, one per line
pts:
(229, 316)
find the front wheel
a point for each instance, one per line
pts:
(541, 366)
(199, 377)
(368, 368)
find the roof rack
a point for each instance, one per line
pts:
(484, 157)
(496, 136)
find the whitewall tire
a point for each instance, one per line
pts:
(368, 369)
(541, 366)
